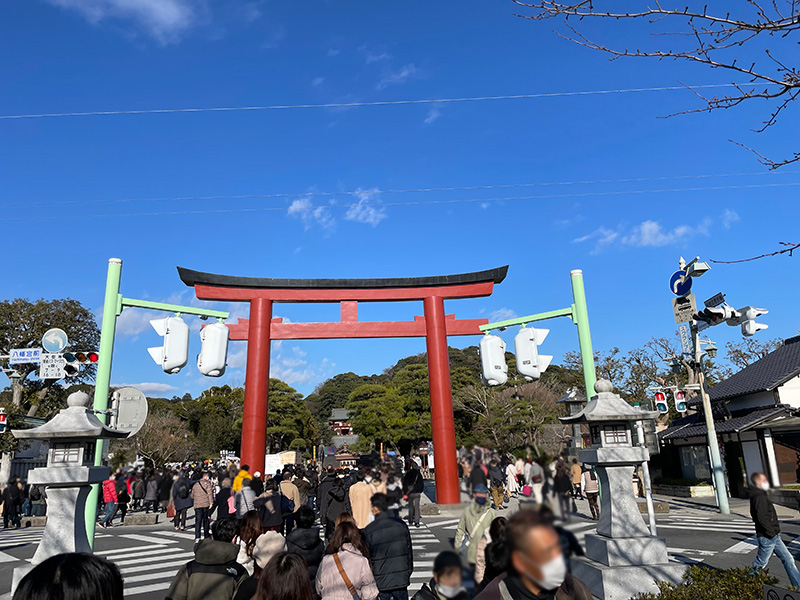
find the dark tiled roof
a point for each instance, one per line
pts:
(340, 414)
(740, 420)
(765, 374)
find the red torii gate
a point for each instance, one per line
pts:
(260, 329)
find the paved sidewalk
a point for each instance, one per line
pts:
(739, 506)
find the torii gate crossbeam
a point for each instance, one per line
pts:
(260, 329)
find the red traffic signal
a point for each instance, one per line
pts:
(680, 402)
(661, 403)
(3, 419)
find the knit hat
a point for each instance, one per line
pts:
(268, 544)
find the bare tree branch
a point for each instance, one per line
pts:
(718, 41)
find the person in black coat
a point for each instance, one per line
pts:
(322, 494)
(336, 505)
(477, 476)
(413, 485)
(304, 540)
(768, 530)
(389, 543)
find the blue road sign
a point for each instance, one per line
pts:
(679, 283)
(55, 340)
(19, 356)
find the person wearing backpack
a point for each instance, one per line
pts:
(244, 500)
(38, 502)
(291, 501)
(268, 506)
(214, 573)
(182, 501)
(138, 490)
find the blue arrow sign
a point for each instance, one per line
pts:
(679, 283)
(55, 340)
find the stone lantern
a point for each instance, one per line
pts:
(622, 558)
(70, 472)
(574, 401)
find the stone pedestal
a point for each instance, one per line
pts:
(624, 582)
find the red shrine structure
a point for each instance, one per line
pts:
(260, 329)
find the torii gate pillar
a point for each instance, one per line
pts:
(256, 390)
(448, 490)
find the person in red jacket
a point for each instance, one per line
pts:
(110, 499)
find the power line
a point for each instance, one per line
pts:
(154, 111)
(403, 191)
(410, 203)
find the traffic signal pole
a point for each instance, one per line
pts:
(717, 469)
(102, 380)
(580, 316)
(113, 306)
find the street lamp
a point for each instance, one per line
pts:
(711, 350)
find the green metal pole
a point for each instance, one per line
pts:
(581, 316)
(111, 308)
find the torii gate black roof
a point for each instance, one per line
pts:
(192, 278)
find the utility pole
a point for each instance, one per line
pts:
(717, 469)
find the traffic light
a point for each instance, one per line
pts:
(746, 318)
(174, 354)
(680, 401)
(3, 420)
(530, 364)
(494, 370)
(214, 351)
(714, 315)
(661, 403)
(76, 359)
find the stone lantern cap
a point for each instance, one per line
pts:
(74, 422)
(607, 406)
(573, 396)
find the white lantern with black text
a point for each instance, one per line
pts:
(494, 370)
(530, 364)
(174, 354)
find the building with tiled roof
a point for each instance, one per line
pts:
(757, 418)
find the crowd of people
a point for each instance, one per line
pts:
(22, 500)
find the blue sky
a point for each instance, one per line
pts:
(604, 183)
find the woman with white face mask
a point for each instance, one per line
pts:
(538, 568)
(446, 582)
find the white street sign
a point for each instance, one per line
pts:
(55, 340)
(684, 308)
(52, 366)
(18, 356)
(131, 405)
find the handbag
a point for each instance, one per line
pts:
(350, 587)
(171, 511)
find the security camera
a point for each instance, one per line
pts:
(697, 269)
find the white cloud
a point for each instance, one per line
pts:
(165, 20)
(651, 234)
(433, 114)
(485, 205)
(237, 355)
(311, 215)
(398, 77)
(333, 52)
(317, 81)
(364, 212)
(502, 314)
(729, 217)
(134, 321)
(149, 388)
(602, 237)
(372, 57)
